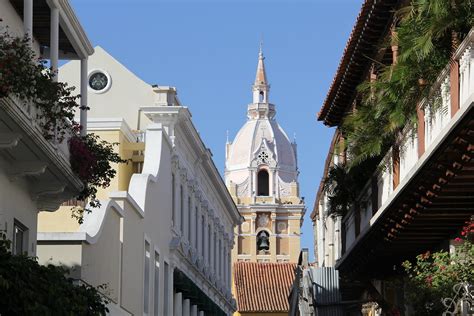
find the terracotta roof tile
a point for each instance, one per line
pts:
(370, 26)
(263, 287)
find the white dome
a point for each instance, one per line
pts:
(252, 136)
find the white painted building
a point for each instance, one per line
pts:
(35, 173)
(163, 237)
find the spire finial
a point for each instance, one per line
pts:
(260, 51)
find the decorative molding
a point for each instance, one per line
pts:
(9, 140)
(111, 124)
(183, 175)
(27, 168)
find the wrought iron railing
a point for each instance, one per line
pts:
(462, 302)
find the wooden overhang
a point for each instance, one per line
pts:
(372, 25)
(69, 47)
(431, 208)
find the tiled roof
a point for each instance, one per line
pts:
(371, 25)
(263, 287)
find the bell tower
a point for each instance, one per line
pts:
(262, 176)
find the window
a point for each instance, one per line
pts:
(173, 200)
(20, 238)
(146, 280)
(99, 81)
(263, 183)
(166, 289)
(157, 285)
(181, 205)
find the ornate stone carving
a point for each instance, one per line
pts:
(183, 174)
(263, 220)
(262, 157)
(175, 163)
(281, 227)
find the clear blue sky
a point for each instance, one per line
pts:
(208, 49)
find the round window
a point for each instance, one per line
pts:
(99, 81)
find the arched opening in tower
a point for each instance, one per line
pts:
(263, 188)
(263, 241)
(261, 97)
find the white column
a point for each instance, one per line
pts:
(206, 249)
(270, 182)
(224, 262)
(201, 313)
(199, 227)
(178, 304)
(184, 232)
(216, 254)
(213, 266)
(229, 271)
(28, 18)
(222, 252)
(194, 310)
(84, 84)
(254, 184)
(219, 255)
(186, 307)
(192, 239)
(337, 238)
(54, 42)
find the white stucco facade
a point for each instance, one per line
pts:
(163, 244)
(35, 173)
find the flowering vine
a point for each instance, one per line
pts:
(432, 276)
(25, 76)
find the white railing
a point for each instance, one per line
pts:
(408, 152)
(437, 110)
(34, 116)
(437, 117)
(140, 136)
(365, 205)
(466, 70)
(385, 179)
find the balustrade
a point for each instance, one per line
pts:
(438, 113)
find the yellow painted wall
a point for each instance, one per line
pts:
(124, 170)
(59, 221)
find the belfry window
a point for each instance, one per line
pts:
(263, 183)
(261, 97)
(263, 241)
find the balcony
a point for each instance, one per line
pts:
(423, 190)
(28, 154)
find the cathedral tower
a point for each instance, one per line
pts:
(261, 173)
